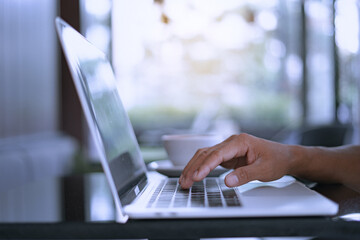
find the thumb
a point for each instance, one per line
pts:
(240, 176)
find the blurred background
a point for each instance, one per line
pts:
(284, 70)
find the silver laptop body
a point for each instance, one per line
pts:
(138, 193)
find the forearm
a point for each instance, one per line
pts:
(332, 165)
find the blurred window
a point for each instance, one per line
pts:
(347, 41)
(207, 65)
(228, 66)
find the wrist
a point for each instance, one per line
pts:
(297, 160)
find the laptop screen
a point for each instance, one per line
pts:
(97, 89)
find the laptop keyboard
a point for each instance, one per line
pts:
(207, 193)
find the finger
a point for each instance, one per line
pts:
(242, 175)
(210, 159)
(191, 171)
(195, 160)
(196, 170)
(186, 178)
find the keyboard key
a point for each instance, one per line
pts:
(230, 196)
(155, 194)
(181, 197)
(213, 193)
(166, 195)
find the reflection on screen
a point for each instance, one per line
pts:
(111, 121)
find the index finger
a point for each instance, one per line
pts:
(191, 169)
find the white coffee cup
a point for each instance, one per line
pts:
(181, 148)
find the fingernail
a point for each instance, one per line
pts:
(232, 180)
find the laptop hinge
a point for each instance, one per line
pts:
(137, 185)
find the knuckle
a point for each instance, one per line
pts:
(203, 152)
(239, 137)
(216, 154)
(200, 151)
(233, 137)
(243, 136)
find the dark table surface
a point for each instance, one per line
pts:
(81, 207)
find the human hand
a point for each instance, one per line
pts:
(251, 158)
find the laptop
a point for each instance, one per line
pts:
(142, 194)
